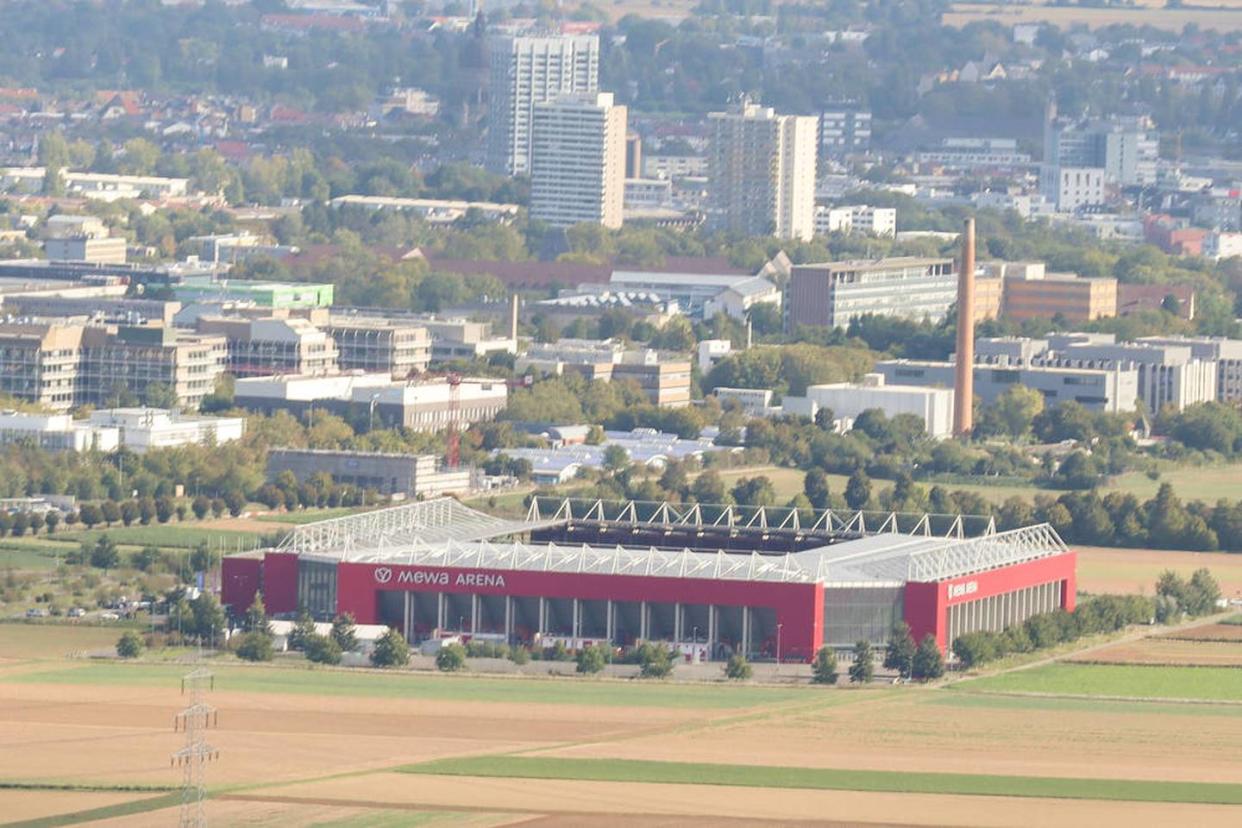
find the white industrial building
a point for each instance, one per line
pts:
(144, 429)
(56, 432)
(856, 218)
(846, 400)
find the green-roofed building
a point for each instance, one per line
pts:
(263, 294)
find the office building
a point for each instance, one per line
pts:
(61, 365)
(577, 169)
(103, 250)
(403, 475)
(844, 130)
(856, 218)
(261, 347)
(526, 71)
(143, 429)
(366, 399)
(1226, 353)
(373, 344)
(831, 294)
(55, 432)
(761, 179)
(1126, 149)
(663, 377)
(1063, 295)
(1072, 188)
(1110, 390)
(1168, 375)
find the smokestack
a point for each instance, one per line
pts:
(513, 318)
(964, 385)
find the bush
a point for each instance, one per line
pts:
(451, 658)
(391, 650)
(519, 655)
(322, 649)
(557, 652)
(129, 645)
(655, 660)
(486, 649)
(592, 659)
(343, 632)
(824, 667)
(976, 648)
(256, 646)
(737, 668)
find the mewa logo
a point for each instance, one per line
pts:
(384, 575)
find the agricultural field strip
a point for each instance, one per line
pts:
(136, 806)
(766, 776)
(1133, 682)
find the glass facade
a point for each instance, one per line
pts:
(317, 588)
(853, 614)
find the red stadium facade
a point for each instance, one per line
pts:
(783, 605)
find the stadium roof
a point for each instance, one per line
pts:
(446, 533)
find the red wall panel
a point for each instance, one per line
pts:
(280, 582)
(240, 579)
(799, 607)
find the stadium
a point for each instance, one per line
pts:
(772, 583)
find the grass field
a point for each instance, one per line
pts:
(52, 641)
(309, 515)
(759, 776)
(1121, 681)
(185, 537)
(1168, 651)
(359, 684)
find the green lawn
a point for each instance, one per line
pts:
(962, 703)
(1206, 483)
(53, 639)
(166, 535)
(311, 515)
(1120, 680)
(764, 776)
(366, 684)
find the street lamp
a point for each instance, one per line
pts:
(778, 647)
(461, 623)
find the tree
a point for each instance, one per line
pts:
(391, 650)
(863, 667)
(321, 649)
(21, 522)
(256, 616)
(824, 667)
(737, 668)
(592, 659)
(146, 558)
(1016, 408)
(129, 512)
(105, 555)
(858, 490)
(616, 458)
(52, 519)
(255, 646)
(815, 486)
(90, 515)
(209, 619)
(110, 511)
(235, 501)
(708, 487)
(344, 632)
(217, 506)
(129, 645)
(451, 658)
(164, 509)
(899, 654)
(655, 660)
(976, 648)
(146, 510)
(303, 629)
(928, 662)
(201, 506)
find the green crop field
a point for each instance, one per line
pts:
(310, 515)
(762, 776)
(305, 680)
(173, 536)
(1122, 681)
(53, 640)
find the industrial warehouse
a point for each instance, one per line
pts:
(770, 583)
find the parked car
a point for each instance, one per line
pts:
(36, 612)
(109, 616)
(77, 612)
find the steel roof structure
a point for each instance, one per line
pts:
(445, 533)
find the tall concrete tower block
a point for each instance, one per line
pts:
(964, 382)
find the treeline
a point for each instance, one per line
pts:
(1176, 598)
